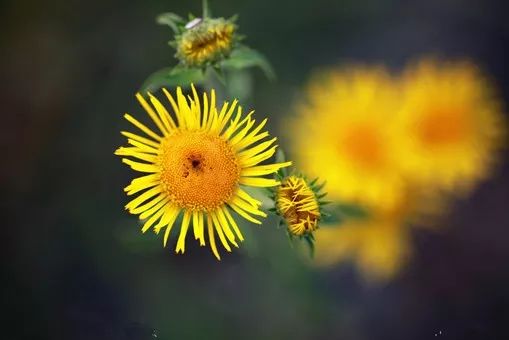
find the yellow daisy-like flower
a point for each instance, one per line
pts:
(378, 247)
(297, 203)
(379, 244)
(205, 41)
(451, 125)
(197, 164)
(344, 134)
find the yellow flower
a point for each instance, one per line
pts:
(344, 134)
(197, 164)
(207, 41)
(297, 203)
(378, 247)
(451, 125)
(379, 244)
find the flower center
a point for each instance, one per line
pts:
(362, 144)
(198, 171)
(442, 127)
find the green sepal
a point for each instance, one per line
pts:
(171, 77)
(313, 182)
(174, 21)
(322, 195)
(280, 174)
(318, 187)
(310, 241)
(244, 57)
(290, 238)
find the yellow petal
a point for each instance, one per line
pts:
(181, 243)
(151, 112)
(140, 139)
(233, 223)
(259, 182)
(142, 167)
(220, 233)
(152, 220)
(244, 214)
(165, 116)
(142, 198)
(212, 239)
(173, 213)
(142, 127)
(226, 228)
(264, 169)
(247, 207)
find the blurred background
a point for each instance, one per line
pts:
(75, 264)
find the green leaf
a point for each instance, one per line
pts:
(244, 57)
(280, 156)
(171, 77)
(239, 84)
(335, 214)
(351, 210)
(218, 72)
(170, 19)
(311, 245)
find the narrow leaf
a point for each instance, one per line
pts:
(171, 77)
(170, 19)
(245, 57)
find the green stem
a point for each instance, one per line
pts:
(206, 11)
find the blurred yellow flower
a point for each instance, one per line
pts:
(388, 144)
(197, 164)
(205, 41)
(297, 203)
(378, 247)
(345, 133)
(450, 125)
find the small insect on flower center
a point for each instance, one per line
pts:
(297, 203)
(199, 171)
(193, 23)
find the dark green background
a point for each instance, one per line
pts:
(75, 264)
